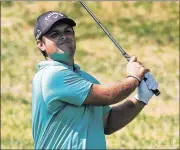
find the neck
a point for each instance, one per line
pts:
(70, 63)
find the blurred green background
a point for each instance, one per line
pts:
(149, 30)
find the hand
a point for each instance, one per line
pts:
(136, 69)
(151, 82)
(144, 91)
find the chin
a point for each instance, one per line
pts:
(72, 54)
(71, 51)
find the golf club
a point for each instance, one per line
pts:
(156, 91)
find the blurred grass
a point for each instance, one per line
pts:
(149, 30)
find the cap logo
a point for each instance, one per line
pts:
(53, 15)
(38, 34)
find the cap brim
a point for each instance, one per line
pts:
(68, 21)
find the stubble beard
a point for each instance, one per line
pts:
(67, 49)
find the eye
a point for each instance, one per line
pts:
(69, 31)
(53, 34)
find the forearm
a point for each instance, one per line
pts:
(122, 114)
(108, 94)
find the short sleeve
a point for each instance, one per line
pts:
(106, 109)
(63, 86)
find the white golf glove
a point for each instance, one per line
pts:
(151, 82)
(144, 91)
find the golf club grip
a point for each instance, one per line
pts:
(156, 91)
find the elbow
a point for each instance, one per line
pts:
(108, 131)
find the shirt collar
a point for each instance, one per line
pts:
(44, 63)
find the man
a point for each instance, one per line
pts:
(70, 108)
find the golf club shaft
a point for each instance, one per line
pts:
(108, 34)
(156, 92)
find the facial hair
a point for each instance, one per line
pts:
(64, 51)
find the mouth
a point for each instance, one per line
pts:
(65, 43)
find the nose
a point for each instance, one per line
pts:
(63, 37)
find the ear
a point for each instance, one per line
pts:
(41, 45)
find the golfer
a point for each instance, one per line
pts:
(70, 108)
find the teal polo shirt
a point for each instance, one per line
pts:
(60, 120)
